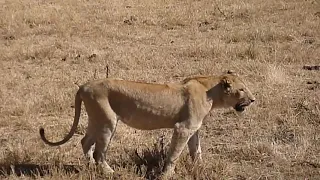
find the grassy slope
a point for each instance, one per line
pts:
(47, 47)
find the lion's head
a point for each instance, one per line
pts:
(235, 93)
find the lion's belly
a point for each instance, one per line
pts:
(145, 120)
(147, 111)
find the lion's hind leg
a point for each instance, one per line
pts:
(102, 122)
(105, 126)
(87, 143)
(102, 141)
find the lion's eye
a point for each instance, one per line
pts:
(241, 89)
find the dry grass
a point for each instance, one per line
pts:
(47, 47)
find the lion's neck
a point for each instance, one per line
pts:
(214, 90)
(209, 82)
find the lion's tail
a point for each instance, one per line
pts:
(78, 102)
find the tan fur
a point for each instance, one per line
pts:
(180, 106)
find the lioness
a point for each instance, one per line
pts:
(181, 106)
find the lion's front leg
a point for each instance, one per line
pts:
(180, 138)
(194, 147)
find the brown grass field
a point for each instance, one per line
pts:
(49, 47)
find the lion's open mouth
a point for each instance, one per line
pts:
(240, 107)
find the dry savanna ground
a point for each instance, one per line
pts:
(49, 47)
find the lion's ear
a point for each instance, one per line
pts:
(226, 85)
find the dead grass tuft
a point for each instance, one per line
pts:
(149, 162)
